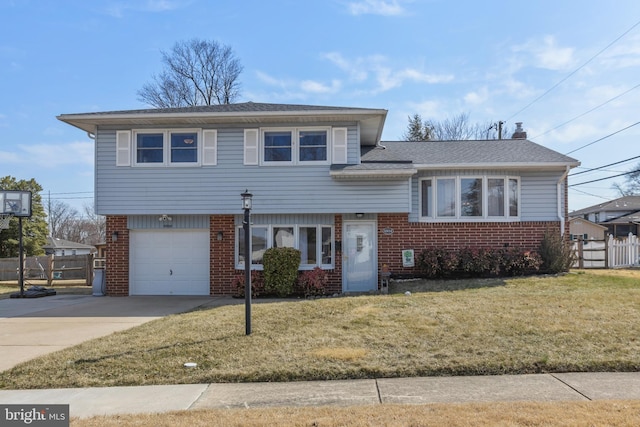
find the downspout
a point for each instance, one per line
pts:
(561, 199)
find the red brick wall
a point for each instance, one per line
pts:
(117, 257)
(222, 266)
(455, 235)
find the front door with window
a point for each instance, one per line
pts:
(359, 257)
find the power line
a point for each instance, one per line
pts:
(604, 137)
(573, 72)
(602, 179)
(605, 166)
(590, 194)
(587, 112)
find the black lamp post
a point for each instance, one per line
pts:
(246, 225)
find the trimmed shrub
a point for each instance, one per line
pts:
(280, 270)
(313, 282)
(476, 262)
(437, 262)
(556, 253)
(257, 284)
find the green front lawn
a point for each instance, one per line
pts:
(582, 321)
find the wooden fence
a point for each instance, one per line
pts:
(610, 252)
(49, 268)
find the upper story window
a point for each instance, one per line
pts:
(167, 147)
(294, 146)
(184, 147)
(469, 198)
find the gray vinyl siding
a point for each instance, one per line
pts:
(216, 189)
(538, 191)
(151, 222)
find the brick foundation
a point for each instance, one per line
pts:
(419, 236)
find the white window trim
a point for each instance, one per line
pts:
(166, 148)
(458, 199)
(296, 237)
(295, 146)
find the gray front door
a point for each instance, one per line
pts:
(359, 257)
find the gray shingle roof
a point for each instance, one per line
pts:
(243, 107)
(504, 152)
(622, 204)
(55, 243)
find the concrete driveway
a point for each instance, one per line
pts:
(31, 327)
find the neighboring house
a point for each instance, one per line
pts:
(169, 183)
(585, 229)
(620, 216)
(60, 247)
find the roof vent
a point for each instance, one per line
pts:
(519, 132)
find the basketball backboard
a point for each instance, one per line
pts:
(16, 203)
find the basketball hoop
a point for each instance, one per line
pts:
(4, 221)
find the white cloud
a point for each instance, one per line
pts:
(317, 87)
(119, 8)
(51, 156)
(547, 54)
(477, 97)
(376, 7)
(387, 78)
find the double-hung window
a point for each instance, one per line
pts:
(168, 147)
(469, 198)
(315, 243)
(294, 145)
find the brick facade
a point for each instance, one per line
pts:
(117, 257)
(405, 235)
(222, 254)
(452, 235)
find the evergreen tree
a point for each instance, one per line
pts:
(417, 130)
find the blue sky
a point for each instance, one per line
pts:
(494, 60)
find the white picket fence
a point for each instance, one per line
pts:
(624, 252)
(608, 253)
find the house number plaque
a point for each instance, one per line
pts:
(388, 231)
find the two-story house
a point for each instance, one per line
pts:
(169, 182)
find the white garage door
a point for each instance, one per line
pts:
(169, 262)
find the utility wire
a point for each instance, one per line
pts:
(604, 137)
(573, 72)
(587, 112)
(602, 179)
(605, 166)
(590, 194)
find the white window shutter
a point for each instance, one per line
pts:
(123, 148)
(209, 147)
(339, 145)
(251, 146)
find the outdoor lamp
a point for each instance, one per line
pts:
(114, 236)
(246, 199)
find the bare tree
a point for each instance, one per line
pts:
(456, 128)
(61, 218)
(631, 187)
(95, 225)
(197, 72)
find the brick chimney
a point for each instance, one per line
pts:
(519, 132)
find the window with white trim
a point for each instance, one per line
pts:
(292, 146)
(315, 243)
(167, 147)
(469, 198)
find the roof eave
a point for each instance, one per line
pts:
(516, 165)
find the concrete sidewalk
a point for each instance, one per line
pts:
(87, 402)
